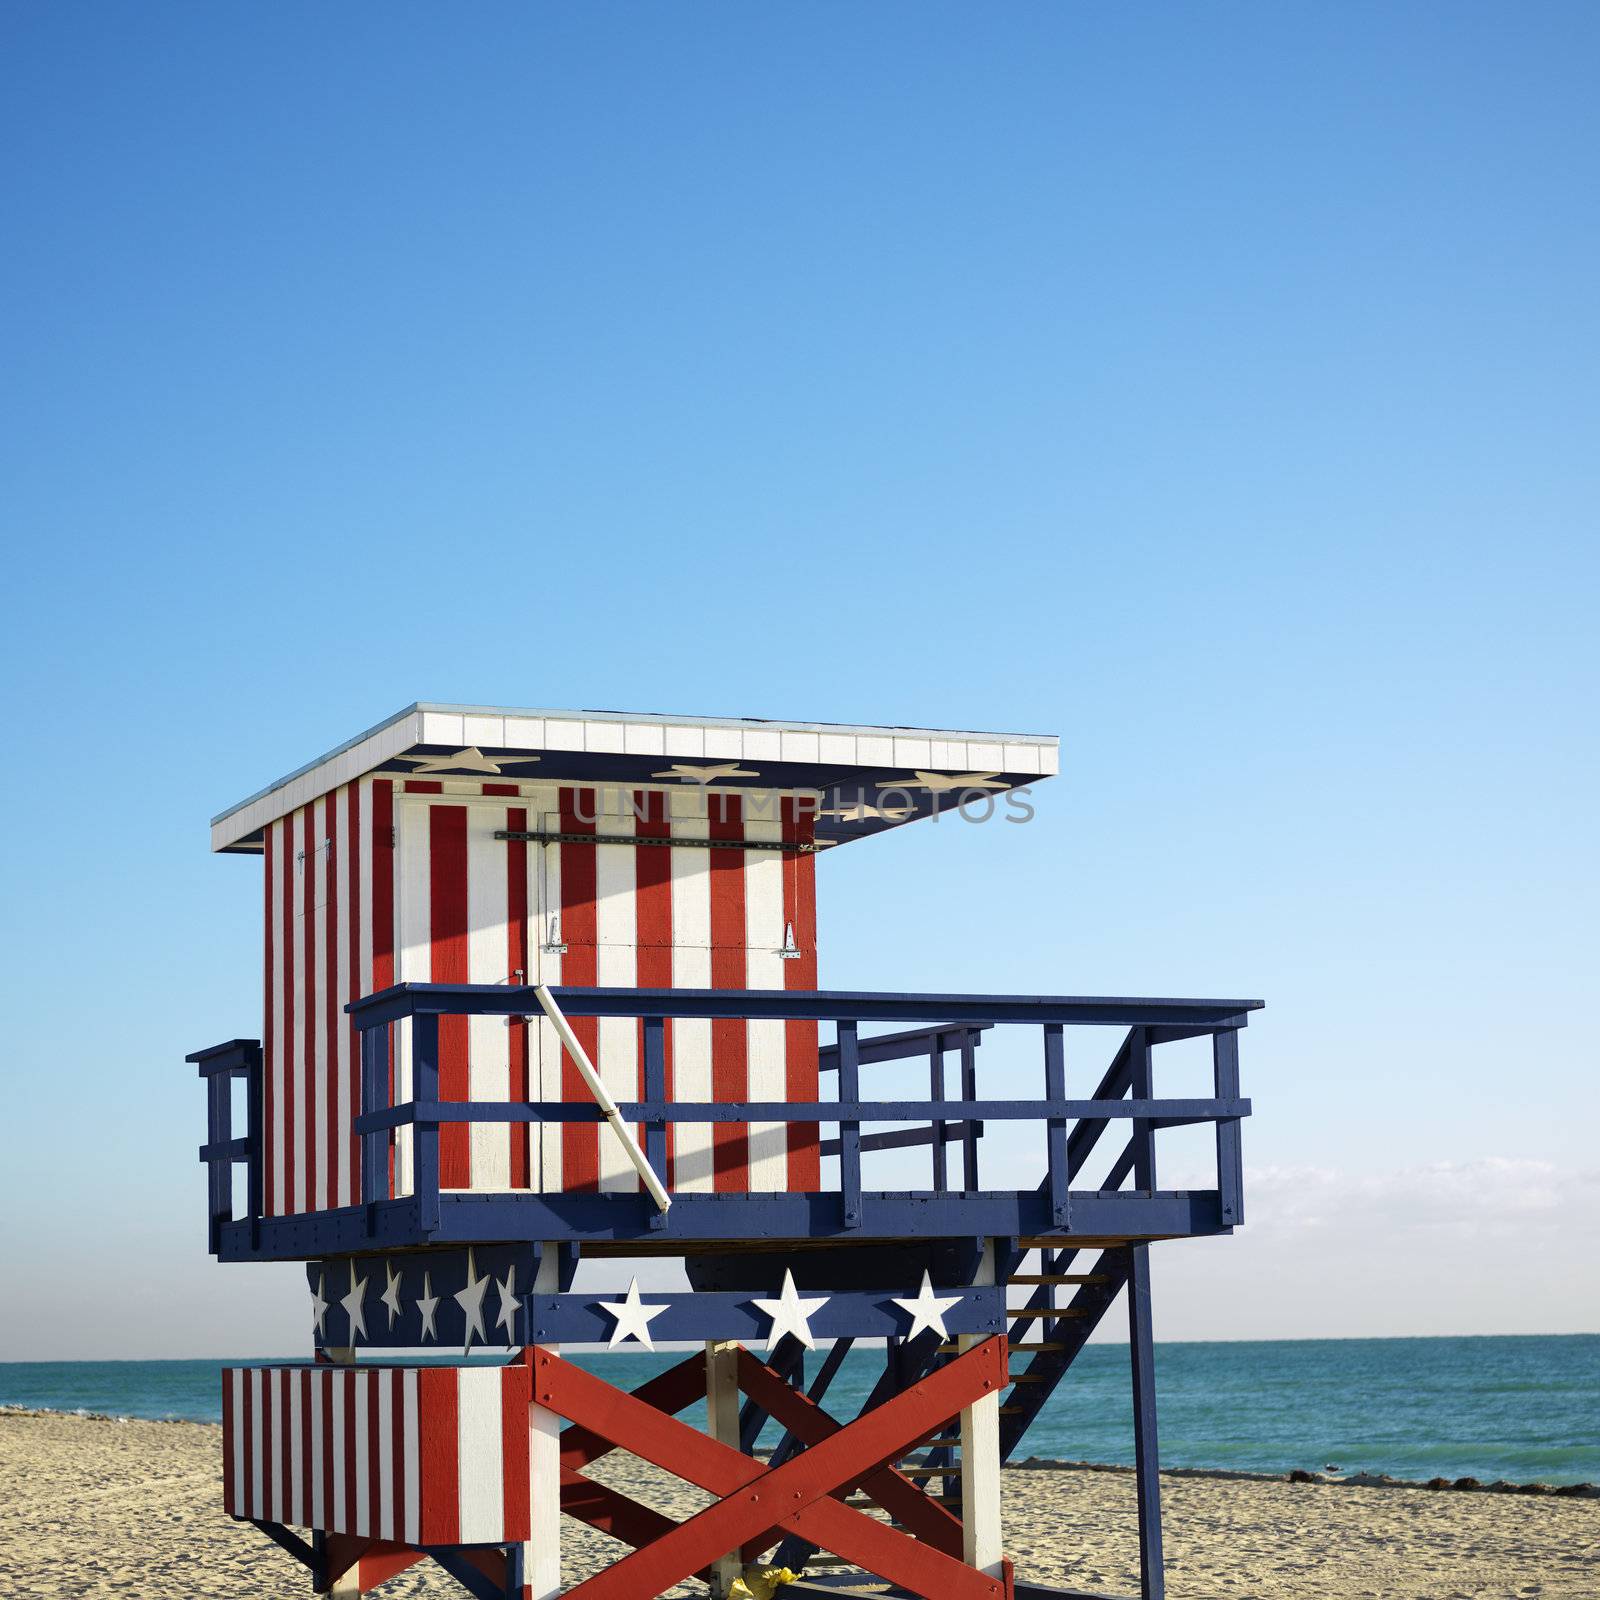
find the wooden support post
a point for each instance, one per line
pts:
(541, 1555)
(1055, 1088)
(347, 1585)
(941, 1174)
(1146, 1453)
(722, 1423)
(980, 1457)
(655, 1090)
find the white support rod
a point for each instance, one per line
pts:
(608, 1106)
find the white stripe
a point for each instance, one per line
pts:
(765, 1040)
(319, 1436)
(296, 1056)
(385, 1386)
(278, 1511)
(488, 949)
(362, 1465)
(280, 983)
(341, 1410)
(413, 1457)
(257, 1506)
(478, 1447)
(297, 1462)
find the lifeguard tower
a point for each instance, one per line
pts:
(541, 987)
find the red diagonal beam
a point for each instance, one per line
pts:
(795, 1495)
(810, 1424)
(668, 1391)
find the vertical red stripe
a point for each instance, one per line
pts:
(580, 1142)
(437, 1457)
(247, 1485)
(332, 1015)
(397, 1448)
(423, 786)
(383, 912)
(325, 1512)
(357, 983)
(269, 1099)
(520, 1134)
(308, 1442)
(516, 1392)
(730, 1076)
(312, 1001)
(800, 1038)
(286, 1049)
(653, 922)
(347, 1395)
(447, 907)
(376, 1465)
(229, 1501)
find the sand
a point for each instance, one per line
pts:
(99, 1508)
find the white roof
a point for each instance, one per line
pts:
(843, 759)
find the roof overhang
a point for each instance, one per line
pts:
(867, 779)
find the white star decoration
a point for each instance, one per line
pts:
(472, 759)
(927, 1310)
(790, 1314)
(633, 1317)
(687, 774)
(944, 782)
(353, 1303)
(470, 1300)
(428, 1305)
(508, 1303)
(391, 1292)
(319, 1303)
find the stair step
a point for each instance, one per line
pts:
(1060, 1277)
(1012, 1411)
(1045, 1315)
(1047, 1344)
(1034, 1377)
(930, 1472)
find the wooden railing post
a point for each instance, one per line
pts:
(655, 1091)
(1230, 1159)
(219, 1168)
(969, 1129)
(254, 1098)
(1055, 1088)
(425, 1134)
(1141, 1087)
(850, 1130)
(941, 1170)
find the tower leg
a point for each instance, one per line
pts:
(1152, 1573)
(347, 1586)
(722, 1423)
(541, 1555)
(980, 1458)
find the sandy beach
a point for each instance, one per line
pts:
(90, 1507)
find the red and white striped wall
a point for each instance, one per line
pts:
(418, 1455)
(387, 880)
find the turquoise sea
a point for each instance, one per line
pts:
(1524, 1409)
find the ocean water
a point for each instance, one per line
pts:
(1525, 1409)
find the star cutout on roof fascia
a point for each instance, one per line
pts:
(472, 759)
(944, 782)
(868, 813)
(684, 773)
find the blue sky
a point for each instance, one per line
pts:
(1214, 386)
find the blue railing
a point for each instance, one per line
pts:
(949, 1022)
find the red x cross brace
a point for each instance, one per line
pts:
(800, 1496)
